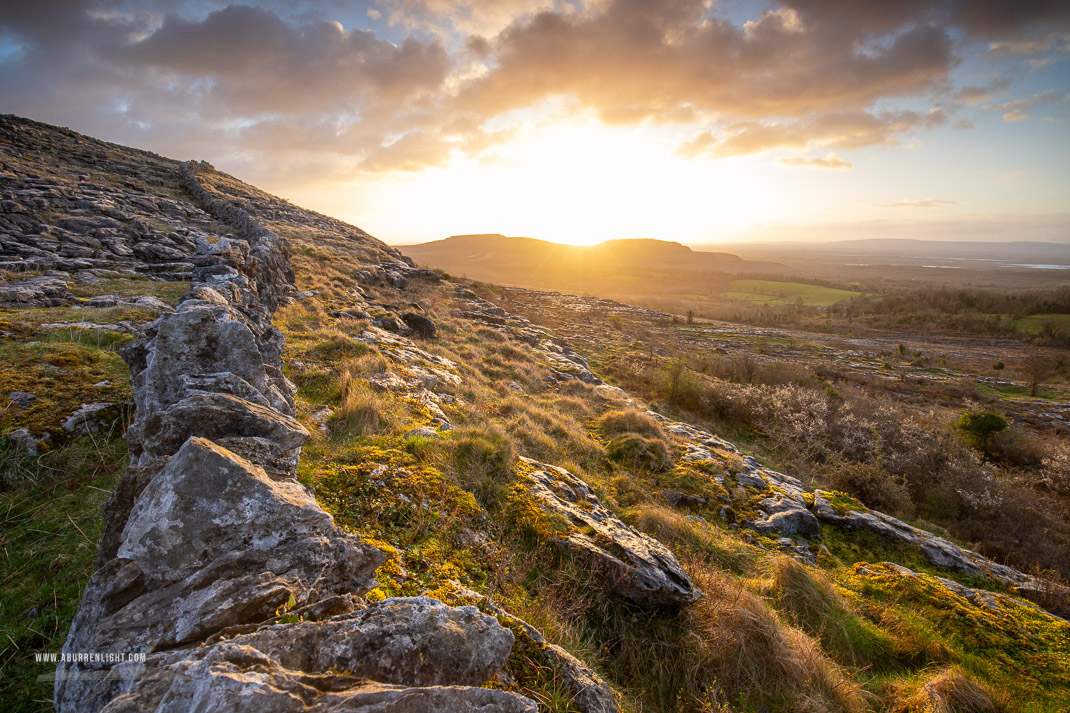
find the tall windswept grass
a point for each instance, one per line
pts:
(810, 601)
(753, 654)
(360, 411)
(949, 690)
(630, 421)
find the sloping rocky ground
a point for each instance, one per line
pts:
(356, 486)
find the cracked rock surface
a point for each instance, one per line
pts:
(634, 564)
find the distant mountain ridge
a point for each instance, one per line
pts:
(907, 249)
(478, 253)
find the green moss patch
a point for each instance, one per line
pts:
(63, 376)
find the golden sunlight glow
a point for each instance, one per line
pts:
(576, 182)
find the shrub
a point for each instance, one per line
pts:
(1055, 469)
(869, 483)
(980, 426)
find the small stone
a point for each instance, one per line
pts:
(423, 432)
(91, 418)
(22, 398)
(23, 438)
(421, 325)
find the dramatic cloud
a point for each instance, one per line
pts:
(830, 162)
(254, 62)
(926, 203)
(301, 84)
(635, 61)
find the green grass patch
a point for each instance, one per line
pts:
(777, 292)
(1016, 648)
(48, 537)
(168, 291)
(1012, 391)
(62, 375)
(1038, 323)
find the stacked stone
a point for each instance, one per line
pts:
(220, 566)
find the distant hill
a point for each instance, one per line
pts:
(529, 261)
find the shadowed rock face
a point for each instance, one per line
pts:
(208, 536)
(635, 565)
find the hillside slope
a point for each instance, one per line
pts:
(537, 537)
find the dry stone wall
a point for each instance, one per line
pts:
(218, 564)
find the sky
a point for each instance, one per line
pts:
(580, 121)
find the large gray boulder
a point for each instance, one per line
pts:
(212, 542)
(634, 564)
(408, 641)
(217, 416)
(201, 338)
(787, 516)
(232, 677)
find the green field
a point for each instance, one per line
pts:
(1035, 322)
(775, 292)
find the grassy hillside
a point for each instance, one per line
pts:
(419, 444)
(771, 633)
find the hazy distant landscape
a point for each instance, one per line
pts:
(845, 287)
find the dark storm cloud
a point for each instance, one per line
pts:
(283, 81)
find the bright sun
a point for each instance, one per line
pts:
(577, 182)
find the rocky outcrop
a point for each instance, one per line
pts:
(792, 511)
(44, 291)
(219, 565)
(634, 564)
(937, 550)
(995, 603)
(397, 274)
(83, 226)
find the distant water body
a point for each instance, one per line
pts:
(1040, 267)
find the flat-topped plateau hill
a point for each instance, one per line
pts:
(611, 266)
(253, 459)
